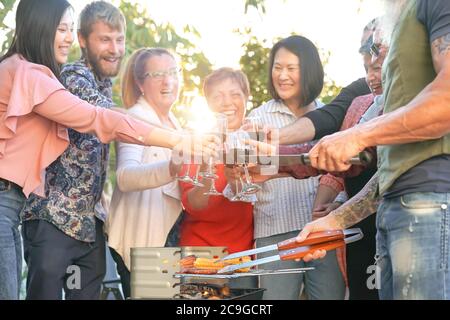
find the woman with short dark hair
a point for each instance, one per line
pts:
(309, 65)
(285, 205)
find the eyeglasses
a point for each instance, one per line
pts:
(160, 75)
(375, 49)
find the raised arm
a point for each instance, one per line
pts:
(133, 175)
(426, 117)
(326, 120)
(70, 111)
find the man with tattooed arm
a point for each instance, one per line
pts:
(413, 139)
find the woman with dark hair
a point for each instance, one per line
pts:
(35, 111)
(307, 67)
(284, 205)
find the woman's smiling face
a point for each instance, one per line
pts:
(227, 97)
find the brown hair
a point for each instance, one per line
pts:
(100, 11)
(134, 73)
(222, 74)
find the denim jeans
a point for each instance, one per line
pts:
(413, 246)
(323, 283)
(12, 201)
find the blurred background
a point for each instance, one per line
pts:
(208, 34)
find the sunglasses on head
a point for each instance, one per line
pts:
(375, 49)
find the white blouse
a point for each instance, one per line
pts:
(146, 199)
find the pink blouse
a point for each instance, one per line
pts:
(35, 111)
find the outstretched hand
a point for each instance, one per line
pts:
(196, 148)
(332, 153)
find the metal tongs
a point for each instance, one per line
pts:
(244, 274)
(291, 249)
(239, 156)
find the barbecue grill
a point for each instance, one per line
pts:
(155, 275)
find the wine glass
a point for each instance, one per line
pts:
(220, 127)
(235, 145)
(248, 187)
(195, 181)
(186, 178)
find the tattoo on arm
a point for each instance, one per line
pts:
(439, 51)
(443, 43)
(360, 206)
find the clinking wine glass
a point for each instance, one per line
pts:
(252, 125)
(195, 181)
(186, 178)
(220, 127)
(248, 187)
(235, 147)
(213, 177)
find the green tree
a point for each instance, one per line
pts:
(259, 5)
(6, 7)
(143, 31)
(255, 64)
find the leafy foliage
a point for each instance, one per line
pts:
(257, 4)
(143, 31)
(6, 7)
(255, 64)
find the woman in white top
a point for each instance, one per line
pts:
(146, 200)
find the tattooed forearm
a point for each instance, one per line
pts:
(360, 206)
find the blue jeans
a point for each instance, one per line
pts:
(12, 201)
(413, 247)
(323, 283)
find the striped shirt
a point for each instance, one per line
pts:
(284, 204)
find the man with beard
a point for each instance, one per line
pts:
(413, 219)
(64, 243)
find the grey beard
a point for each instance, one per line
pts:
(393, 10)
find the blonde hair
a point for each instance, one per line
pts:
(222, 74)
(134, 73)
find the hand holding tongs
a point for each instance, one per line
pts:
(291, 249)
(363, 158)
(241, 157)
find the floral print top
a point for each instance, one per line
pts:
(74, 182)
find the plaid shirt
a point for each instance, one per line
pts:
(74, 182)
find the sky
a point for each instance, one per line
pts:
(333, 25)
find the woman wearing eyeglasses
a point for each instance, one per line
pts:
(146, 199)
